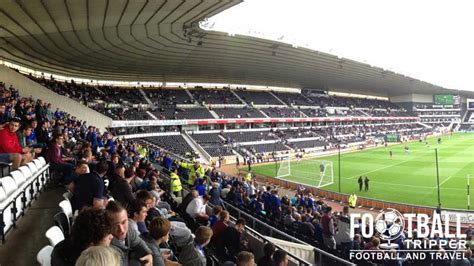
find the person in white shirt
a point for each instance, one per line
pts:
(197, 208)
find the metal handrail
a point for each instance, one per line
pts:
(292, 238)
(316, 250)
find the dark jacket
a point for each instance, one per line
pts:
(65, 254)
(122, 192)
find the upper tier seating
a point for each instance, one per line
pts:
(216, 96)
(246, 112)
(281, 112)
(294, 98)
(168, 97)
(175, 144)
(258, 97)
(182, 113)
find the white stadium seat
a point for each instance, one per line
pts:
(66, 207)
(9, 185)
(44, 256)
(26, 172)
(33, 167)
(18, 177)
(54, 235)
(42, 160)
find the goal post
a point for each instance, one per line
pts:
(320, 172)
(283, 166)
(324, 172)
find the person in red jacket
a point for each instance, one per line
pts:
(10, 145)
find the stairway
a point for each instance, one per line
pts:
(145, 97)
(203, 155)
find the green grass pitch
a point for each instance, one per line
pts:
(404, 178)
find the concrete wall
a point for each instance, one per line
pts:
(28, 88)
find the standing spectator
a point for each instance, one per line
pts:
(328, 227)
(343, 237)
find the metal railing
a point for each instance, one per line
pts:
(320, 255)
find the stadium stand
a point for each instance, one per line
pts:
(258, 97)
(168, 97)
(246, 112)
(214, 96)
(281, 112)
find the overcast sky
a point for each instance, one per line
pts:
(430, 40)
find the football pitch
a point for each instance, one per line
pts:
(403, 178)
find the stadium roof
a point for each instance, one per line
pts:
(161, 41)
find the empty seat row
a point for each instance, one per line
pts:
(18, 190)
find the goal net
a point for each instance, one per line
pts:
(283, 166)
(321, 171)
(324, 173)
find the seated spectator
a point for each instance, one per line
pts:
(193, 253)
(197, 209)
(159, 234)
(56, 160)
(131, 247)
(88, 189)
(91, 227)
(98, 256)
(267, 259)
(122, 191)
(246, 258)
(10, 145)
(137, 214)
(216, 210)
(280, 258)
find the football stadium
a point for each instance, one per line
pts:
(232, 132)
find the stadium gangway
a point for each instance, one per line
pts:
(320, 255)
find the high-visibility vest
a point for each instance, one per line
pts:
(248, 177)
(352, 200)
(175, 183)
(193, 171)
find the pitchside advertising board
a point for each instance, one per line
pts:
(392, 137)
(411, 236)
